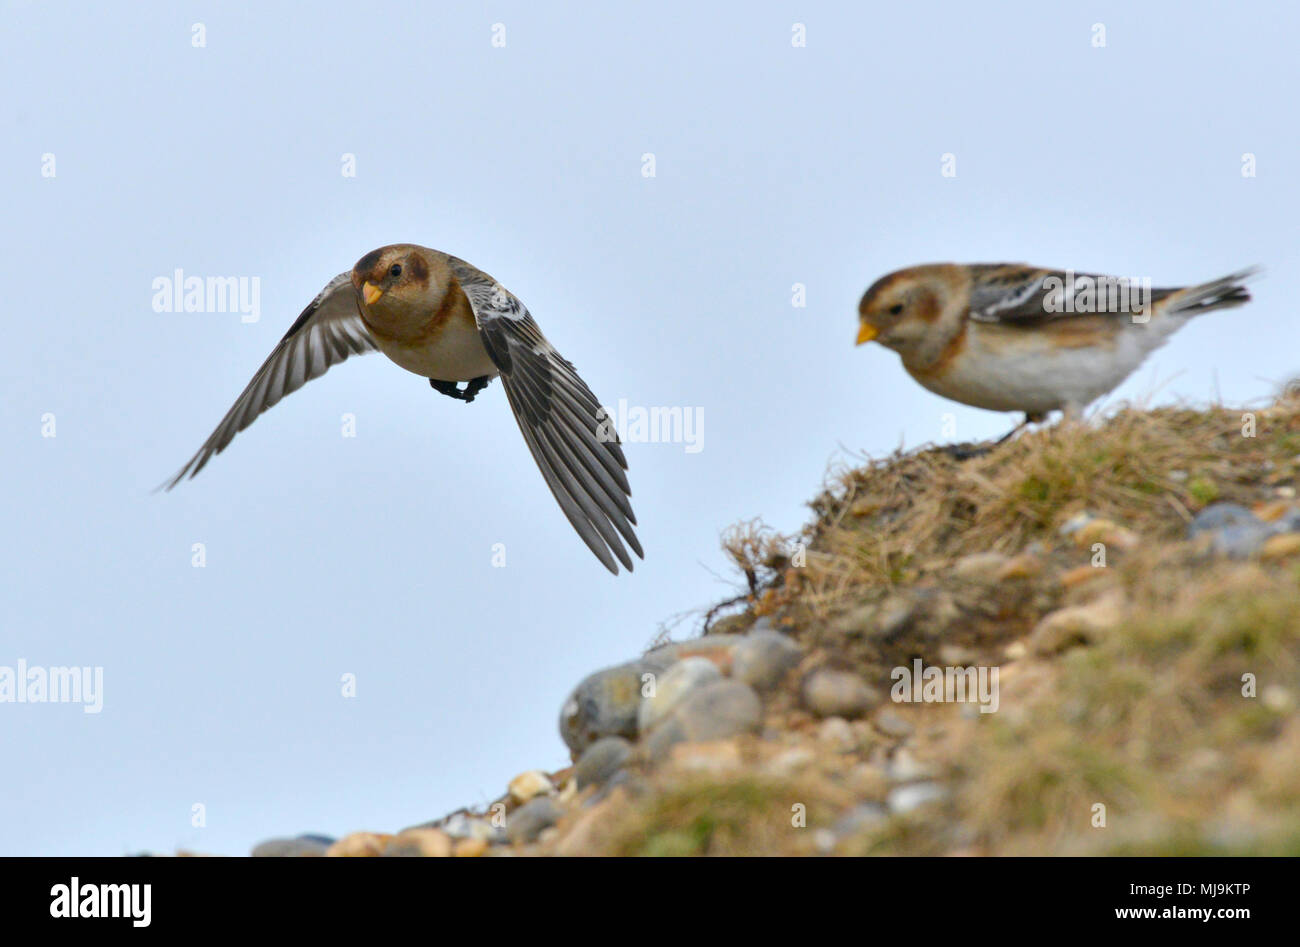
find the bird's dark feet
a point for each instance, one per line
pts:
(466, 394)
(967, 451)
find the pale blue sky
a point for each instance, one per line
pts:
(775, 165)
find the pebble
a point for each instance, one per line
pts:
(956, 655)
(304, 846)
(831, 693)
(470, 847)
(904, 767)
(527, 822)
(868, 780)
(1106, 533)
(763, 658)
(419, 843)
(1272, 511)
(1277, 698)
(1218, 515)
(716, 711)
(837, 733)
(606, 703)
(1075, 523)
(1024, 566)
(715, 757)
(717, 648)
(671, 687)
(600, 761)
(1080, 574)
(861, 818)
(359, 845)
(1076, 624)
(914, 796)
(894, 615)
(1234, 531)
(790, 762)
(894, 725)
(979, 565)
(462, 825)
(856, 622)
(1280, 546)
(529, 785)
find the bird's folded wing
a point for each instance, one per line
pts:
(562, 422)
(1013, 294)
(327, 332)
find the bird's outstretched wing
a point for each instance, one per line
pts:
(327, 332)
(561, 420)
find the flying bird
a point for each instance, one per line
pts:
(441, 318)
(1012, 337)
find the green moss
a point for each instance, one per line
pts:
(1202, 490)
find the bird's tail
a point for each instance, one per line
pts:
(1222, 293)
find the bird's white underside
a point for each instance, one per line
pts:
(1037, 376)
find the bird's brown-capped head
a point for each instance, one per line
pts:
(400, 285)
(899, 309)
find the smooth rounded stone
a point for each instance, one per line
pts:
(462, 825)
(914, 795)
(906, 768)
(419, 843)
(715, 711)
(869, 780)
(1240, 541)
(715, 757)
(1280, 546)
(529, 785)
(1234, 531)
(672, 686)
(1288, 522)
(861, 818)
(470, 848)
(1106, 532)
(1024, 566)
(1277, 698)
(606, 703)
(790, 762)
(717, 648)
(1218, 515)
(893, 724)
(831, 693)
(527, 822)
(360, 845)
(600, 761)
(979, 565)
(1075, 625)
(837, 733)
(1075, 523)
(763, 658)
(895, 615)
(304, 846)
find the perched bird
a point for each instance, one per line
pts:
(1011, 337)
(448, 321)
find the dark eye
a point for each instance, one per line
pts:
(895, 309)
(395, 270)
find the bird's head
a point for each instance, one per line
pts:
(400, 286)
(899, 309)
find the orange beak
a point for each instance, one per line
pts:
(370, 292)
(866, 333)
